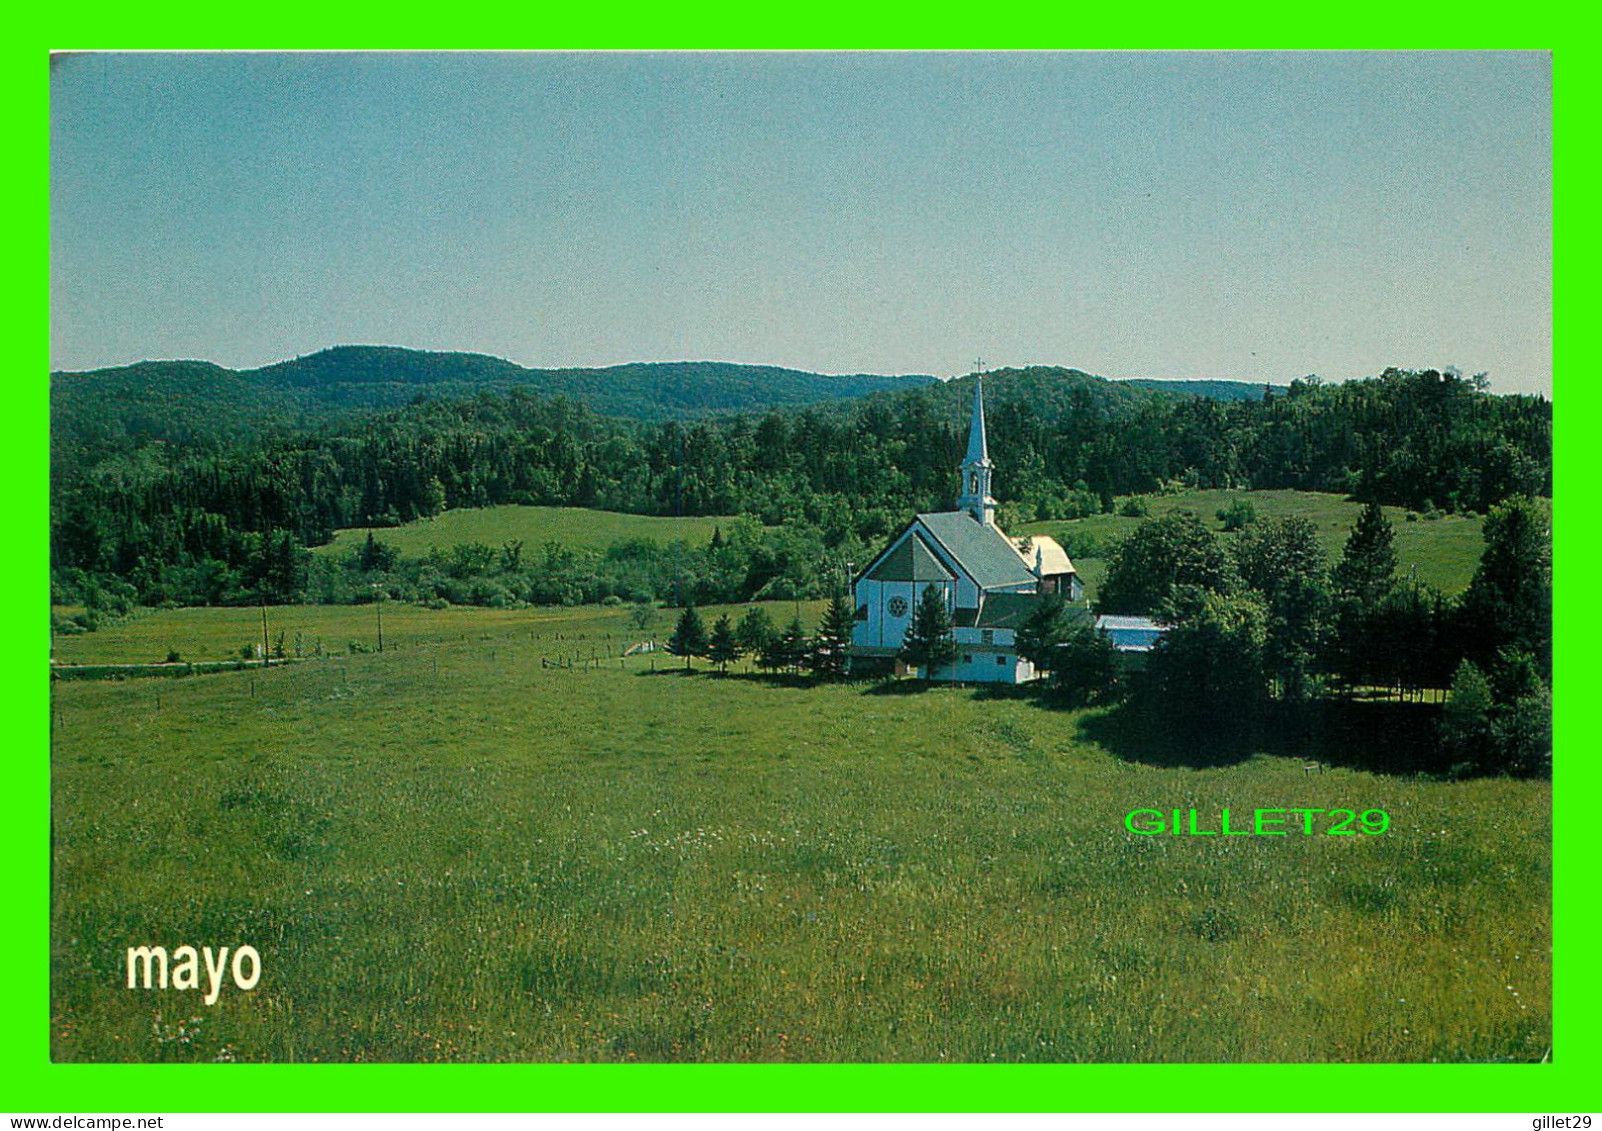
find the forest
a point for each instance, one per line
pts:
(169, 522)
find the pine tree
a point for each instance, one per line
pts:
(689, 636)
(929, 644)
(831, 648)
(1368, 563)
(788, 649)
(724, 648)
(755, 630)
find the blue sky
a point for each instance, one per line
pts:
(1259, 217)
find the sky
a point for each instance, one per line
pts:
(1257, 217)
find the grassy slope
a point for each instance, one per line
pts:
(496, 860)
(1445, 550)
(494, 526)
(218, 634)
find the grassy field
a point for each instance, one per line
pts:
(534, 526)
(453, 851)
(1444, 551)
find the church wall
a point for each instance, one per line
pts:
(976, 665)
(884, 629)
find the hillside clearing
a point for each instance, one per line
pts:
(574, 527)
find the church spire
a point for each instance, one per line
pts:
(976, 467)
(978, 451)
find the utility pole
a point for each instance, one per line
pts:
(266, 656)
(378, 607)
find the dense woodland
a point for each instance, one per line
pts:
(210, 523)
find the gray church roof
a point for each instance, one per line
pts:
(1007, 610)
(983, 551)
(913, 560)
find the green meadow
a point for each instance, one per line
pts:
(1441, 551)
(574, 527)
(463, 849)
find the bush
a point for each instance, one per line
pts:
(1134, 507)
(1238, 515)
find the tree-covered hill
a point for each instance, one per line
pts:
(170, 521)
(195, 403)
(105, 413)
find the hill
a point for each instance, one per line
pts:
(201, 404)
(197, 402)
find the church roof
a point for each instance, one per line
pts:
(913, 560)
(1007, 610)
(983, 551)
(1053, 558)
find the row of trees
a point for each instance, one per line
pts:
(825, 653)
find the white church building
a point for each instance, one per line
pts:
(989, 581)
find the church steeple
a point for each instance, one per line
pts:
(976, 468)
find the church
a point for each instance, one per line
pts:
(990, 582)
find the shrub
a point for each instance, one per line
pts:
(1238, 515)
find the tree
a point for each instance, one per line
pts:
(1081, 661)
(831, 648)
(787, 649)
(376, 555)
(1206, 672)
(433, 500)
(929, 644)
(1466, 732)
(1238, 515)
(1403, 643)
(1367, 568)
(1522, 729)
(724, 648)
(755, 630)
(641, 615)
(1509, 602)
(1281, 559)
(1176, 549)
(689, 636)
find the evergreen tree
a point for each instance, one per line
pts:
(689, 636)
(929, 644)
(1080, 660)
(724, 649)
(376, 555)
(788, 649)
(755, 631)
(1367, 568)
(831, 648)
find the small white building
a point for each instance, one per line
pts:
(989, 582)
